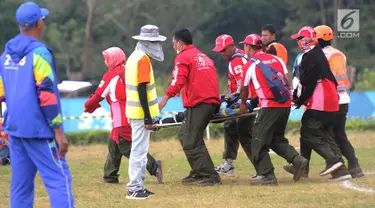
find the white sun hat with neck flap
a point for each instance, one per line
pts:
(150, 33)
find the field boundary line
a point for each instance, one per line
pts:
(349, 185)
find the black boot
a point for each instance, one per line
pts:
(269, 179)
(192, 178)
(210, 181)
(299, 165)
(355, 171)
(305, 172)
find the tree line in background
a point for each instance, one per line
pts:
(79, 30)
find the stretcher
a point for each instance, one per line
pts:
(216, 119)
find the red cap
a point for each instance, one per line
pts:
(222, 42)
(252, 39)
(306, 31)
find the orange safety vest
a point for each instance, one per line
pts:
(281, 51)
(337, 63)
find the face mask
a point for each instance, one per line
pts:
(153, 49)
(306, 44)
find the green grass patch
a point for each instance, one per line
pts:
(86, 164)
(216, 131)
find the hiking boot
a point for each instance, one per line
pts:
(103, 180)
(290, 169)
(331, 168)
(269, 179)
(159, 171)
(340, 174)
(210, 182)
(139, 195)
(299, 164)
(192, 179)
(355, 171)
(223, 169)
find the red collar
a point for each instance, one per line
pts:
(188, 47)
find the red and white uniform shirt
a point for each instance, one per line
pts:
(258, 83)
(113, 89)
(235, 72)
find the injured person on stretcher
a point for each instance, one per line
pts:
(229, 107)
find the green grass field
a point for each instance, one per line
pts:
(87, 162)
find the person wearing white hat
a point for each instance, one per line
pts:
(141, 104)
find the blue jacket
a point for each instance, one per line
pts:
(29, 86)
(297, 65)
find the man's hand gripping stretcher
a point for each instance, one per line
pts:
(229, 109)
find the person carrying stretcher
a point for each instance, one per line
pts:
(112, 88)
(320, 96)
(236, 131)
(266, 74)
(195, 74)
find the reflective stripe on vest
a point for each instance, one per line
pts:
(342, 88)
(341, 77)
(138, 104)
(338, 71)
(135, 88)
(134, 108)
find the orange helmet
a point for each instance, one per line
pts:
(324, 32)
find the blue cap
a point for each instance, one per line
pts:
(29, 13)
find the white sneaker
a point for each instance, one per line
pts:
(225, 171)
(255, 177)
(331, 168)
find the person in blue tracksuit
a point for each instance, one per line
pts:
(33, 120)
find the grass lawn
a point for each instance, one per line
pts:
(87, 162)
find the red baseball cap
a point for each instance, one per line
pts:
(222, 42)
(252, 39)
(306, 31)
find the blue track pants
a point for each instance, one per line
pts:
(32, 155)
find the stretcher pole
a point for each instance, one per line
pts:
(222, 119)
